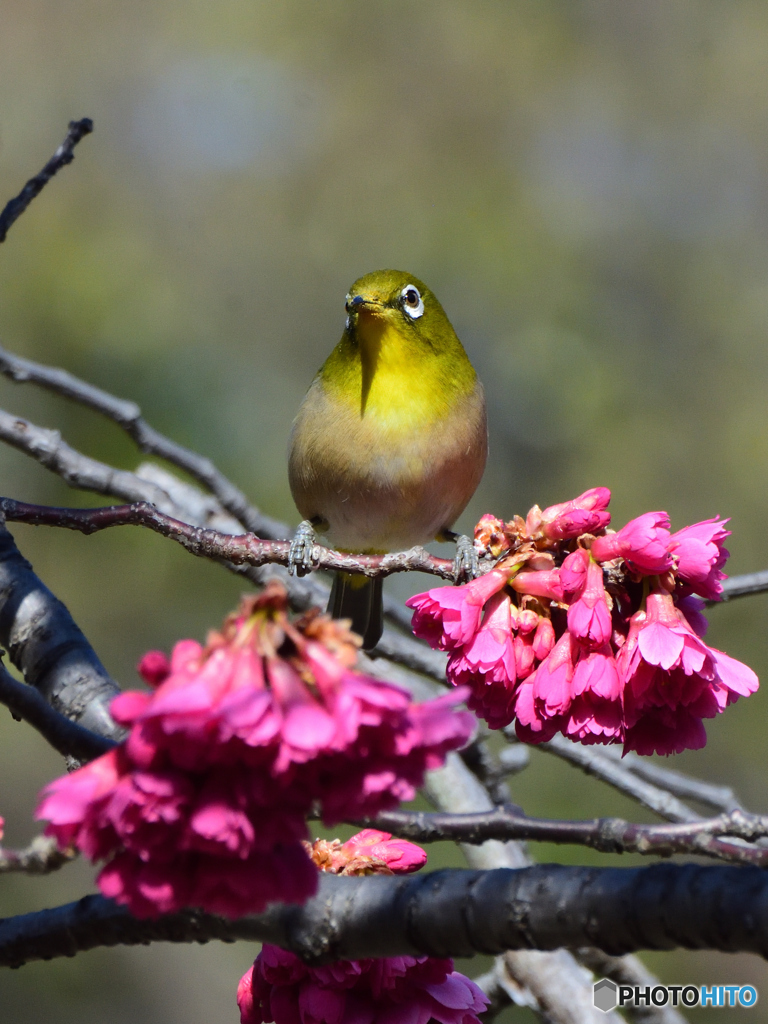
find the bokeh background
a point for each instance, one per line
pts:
(584, 184)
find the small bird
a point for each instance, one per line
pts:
(390, 441)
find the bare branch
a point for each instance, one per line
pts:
(743, 586)
(46, 645)
(628, 970)
(41, 857)
(26, 703)
(64, 155)
(239, 549)
(595, 762)
(78, 470)
(721, 798)
(608, 835)
(127, 415)
(447, 913)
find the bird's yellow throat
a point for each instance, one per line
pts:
(388, 375)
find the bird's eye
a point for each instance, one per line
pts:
(413, 304)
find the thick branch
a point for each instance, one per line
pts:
(48, 648)
(448, 913)
(240, 549)
(608, 835)
(64, 155)
(127, 415)
(26, 703)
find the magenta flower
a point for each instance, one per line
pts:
(367, 853)
(204, 804)
(574, 691)
(566, 637)
(585, 514)
(392, 990)
(448, 617)
(673, 680)
(589, 618)
(700, 556)
(643, 544)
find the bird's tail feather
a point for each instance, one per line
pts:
(359, 598)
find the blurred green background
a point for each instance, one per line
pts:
(583, 183)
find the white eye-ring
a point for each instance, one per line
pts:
(413, 304)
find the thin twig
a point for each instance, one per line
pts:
(64, 155)
(41, 857)
(78, 470)
(127, 415)
(721, 798)
(742, 586)
(243, 549)
(608, 835)
(27, 704)
(594, 762)
(629, 970)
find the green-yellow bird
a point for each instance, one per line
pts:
(391, 439)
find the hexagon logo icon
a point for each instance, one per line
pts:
(604, 995)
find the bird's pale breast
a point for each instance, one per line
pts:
(385, 481)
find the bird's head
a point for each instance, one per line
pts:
(391, 300)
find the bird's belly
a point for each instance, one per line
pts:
(380, 489)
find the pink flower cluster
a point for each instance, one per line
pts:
(393, 990)
(204, 804)
(591, 633)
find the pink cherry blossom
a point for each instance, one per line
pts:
(589, 619)
(366, 853)
(672, 680)
(643, 544)
(204, 804)
(585, 514)
(393, 990)
(448, 617)
(569, 638)
(699, 553)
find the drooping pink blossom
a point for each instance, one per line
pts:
(672, 680)
(643, 544)
(589, 618)
(392, 990)
(573, 641)
(699, 553)
(204, 804)
(448, 617)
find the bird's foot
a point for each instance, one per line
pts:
(465, 564)
(300, 552)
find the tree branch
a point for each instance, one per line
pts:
(127, 415)
(447, 913)
(608, 835)
(41, 857)
(48, 648)
(70, 739)
(595, 762)
(64, 155)
(239, 549)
